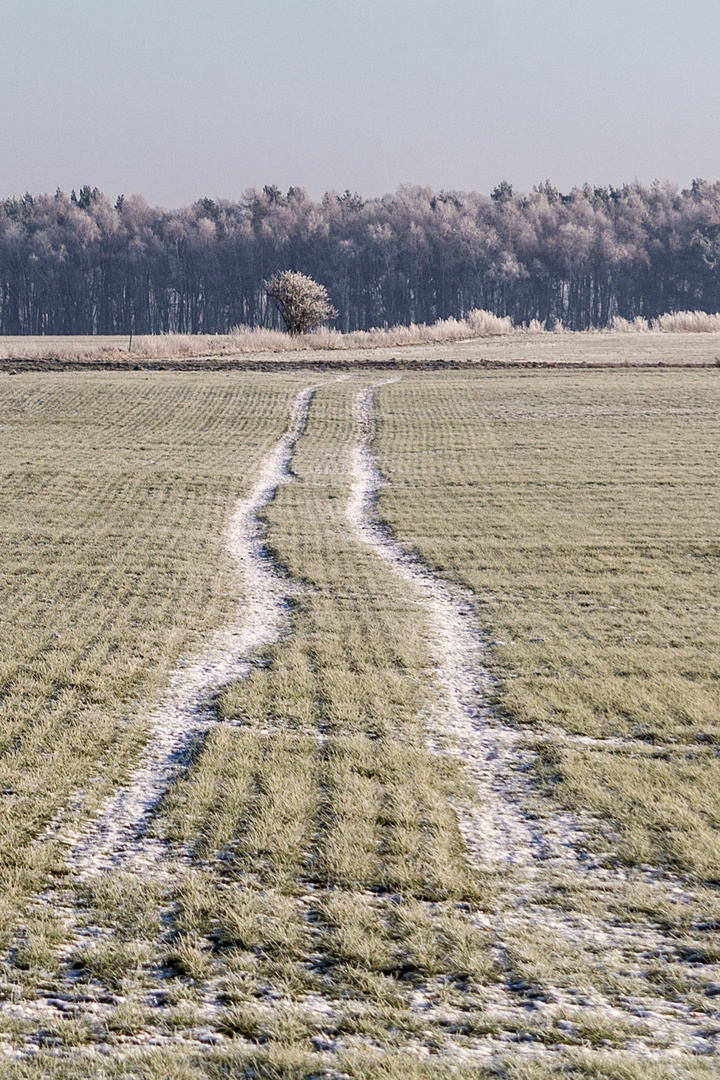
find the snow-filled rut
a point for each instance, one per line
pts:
(511, 830)
(118, 839)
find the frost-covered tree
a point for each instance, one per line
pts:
(303, 303)
(85, 265)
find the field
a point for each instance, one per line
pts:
(484, 341)
(362, 725)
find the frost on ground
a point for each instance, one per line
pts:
(123, 971)
(121, 840)
(118, 839)
(530, 844)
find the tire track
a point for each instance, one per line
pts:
(119, 839)
(512, 832)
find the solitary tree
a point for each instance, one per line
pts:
(302, 302)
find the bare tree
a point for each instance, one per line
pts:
(303, 303)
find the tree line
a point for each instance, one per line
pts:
(83, 265)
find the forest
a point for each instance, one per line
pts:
(81, 264)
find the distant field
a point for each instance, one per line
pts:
(270, 349)
(318, 911)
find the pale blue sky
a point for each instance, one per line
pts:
(175, 99)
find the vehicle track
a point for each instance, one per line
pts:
(511, 830)
(120, 839)
(510, 833)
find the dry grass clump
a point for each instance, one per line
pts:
(478, 325)
(245, 339)
(289, 1062)
(675, 322)
(688, 322)
(638, 325)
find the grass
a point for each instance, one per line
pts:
(245, 339)
(329, 733)
(113, 495)
(287, 1063)
(684, 339)
(323, 812)
(583, 513)
(330, 923)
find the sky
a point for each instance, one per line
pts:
(176, 100)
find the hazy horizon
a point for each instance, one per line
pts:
(175, 102)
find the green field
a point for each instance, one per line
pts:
(323, 905)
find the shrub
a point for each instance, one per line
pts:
(302, 302)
